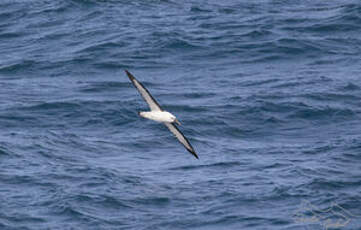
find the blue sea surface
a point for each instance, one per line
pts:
(268, 93)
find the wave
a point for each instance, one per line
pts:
(99, 87)
(215, 165)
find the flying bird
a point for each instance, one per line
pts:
(156, 113)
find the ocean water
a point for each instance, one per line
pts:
(268, 92)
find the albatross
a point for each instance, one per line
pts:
(156, 113)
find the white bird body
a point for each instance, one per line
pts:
(160, 116)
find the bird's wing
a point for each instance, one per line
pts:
(182, 139)
(153, 104)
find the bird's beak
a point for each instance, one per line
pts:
(176, 121)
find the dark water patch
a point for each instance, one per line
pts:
(88, 16)
(198, 9)
(248, 83)
(303, 81)
(215, 165)
(10, 35)
(72, 113)
(327, 61)
(350, 87)
(21, 66)
(99, 200)
(109, 65)
(335, 27)
(332, 184)
(98, 87)
(54, 106)
(292, 47)
(267, 106)
(10, 15)
(259, 34)
(333, 97)
(116, 204)
(152, 201)
(14, 179)
(277, 166)
(273, 120)
(14, 119)
(328, 113)
(20, 221)
(228, 10)
(100, 46)
(58, 35)
(71, 107)
(179, 44)
(71, 213)
(198, 95)
(4, 151)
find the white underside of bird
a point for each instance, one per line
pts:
(160, 116)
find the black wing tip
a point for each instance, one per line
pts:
(193, 153)
(129, 74)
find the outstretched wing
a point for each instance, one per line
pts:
(153, 104)
(182, 139)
